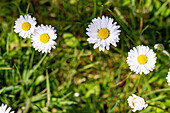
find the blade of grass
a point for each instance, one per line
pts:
(121, 81)
(28, 6)
(31, 61)
(6, 68)
(156, 91)
(37, 65)
(137, 83)
(9, 36)
(9, 88)
(38, 97)
(17, 5)
(28, 104)
(18, 72)
(144, 30)
(159, 108)
(131, 40)
(123, 26)
(132, 6)
(94, 10)
(111, 111)
(160, 9)
(38, 107)
(48, 89)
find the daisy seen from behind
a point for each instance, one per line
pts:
(4, 109)
(102, 32)
(25, 26)
(168, 78)
(136, 102)
(43, 38)
(141, 59)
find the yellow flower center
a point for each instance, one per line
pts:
(26, 26)
(44, 38)
(142, 59)
(103, 33)
(133, 103)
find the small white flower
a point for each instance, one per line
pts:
(76, 94)
(136, 102)
(168, 78)
(25, 26)
(3, 109)
(43, 38)
(102, 32)
(141, 59)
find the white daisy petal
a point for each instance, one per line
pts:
(136, 102)
(43, 38)
(4, 109)
(25, 26)
(102, 32)
(168, 78)
(141, 59)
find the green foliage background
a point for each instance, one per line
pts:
(34, 82)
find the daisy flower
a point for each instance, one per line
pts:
(136, 102)
(102, 32)
(3, 109)
(168, 78)
(43, 38)
(141, 59)
(25, 26)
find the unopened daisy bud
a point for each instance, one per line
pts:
(159, 47)
(141, 59)
(43, 38)
(3, 109)
(136, 102)
(102, 32)
(168, 78)
(25, 26)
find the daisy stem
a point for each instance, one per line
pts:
(159, 108)
(48, 89)
(137, 83)
(37, 65)
(28, 6)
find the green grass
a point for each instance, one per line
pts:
(32, 82)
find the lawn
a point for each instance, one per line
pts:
(74, 77)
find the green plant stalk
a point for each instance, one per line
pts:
(31, 61)
(137, 83)
(36, 66)
(94, 10)
(146, 82)
(48, 89)
(156, 91)
(111, 111)
(27, 105)
(28, 6)
(159, 108)
(122, 25)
